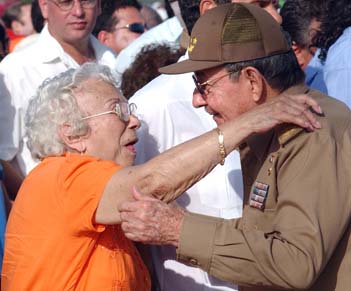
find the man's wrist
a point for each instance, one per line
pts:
(179, 218)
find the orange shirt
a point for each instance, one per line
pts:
(51, 240)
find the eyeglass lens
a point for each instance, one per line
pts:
(198, 86)
(68, 4)
(124, 110)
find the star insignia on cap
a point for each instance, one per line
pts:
(192, 44)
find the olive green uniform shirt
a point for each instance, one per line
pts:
(295, 229)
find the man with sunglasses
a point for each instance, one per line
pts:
(65, 42)
(119, 24)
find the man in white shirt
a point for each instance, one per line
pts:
(168, 118)
(65, 42)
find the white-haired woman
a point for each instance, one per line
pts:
(63, 232)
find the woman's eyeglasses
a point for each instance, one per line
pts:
(123, 110)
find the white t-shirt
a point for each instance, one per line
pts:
(168, 118)
(21, 73)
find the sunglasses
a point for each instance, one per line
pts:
(135, 27)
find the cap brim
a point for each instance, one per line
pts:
(189, 66)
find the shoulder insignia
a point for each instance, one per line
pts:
(288, 133)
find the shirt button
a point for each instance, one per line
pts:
(271, 159)
(193, 262)
(270, 171)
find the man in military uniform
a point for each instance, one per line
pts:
(295, 229)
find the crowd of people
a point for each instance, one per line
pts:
(202, 148)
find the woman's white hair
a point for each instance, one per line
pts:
(54, 105)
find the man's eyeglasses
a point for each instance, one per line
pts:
(67, 5)
(201, 87)
(135, 27)
(123, 110)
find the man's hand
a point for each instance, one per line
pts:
(150, 220)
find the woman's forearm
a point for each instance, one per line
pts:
(171, 173)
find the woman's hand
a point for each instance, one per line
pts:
(149, 220)
(296, 109)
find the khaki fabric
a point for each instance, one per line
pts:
(301, 237)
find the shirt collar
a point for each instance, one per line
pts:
(54, 51)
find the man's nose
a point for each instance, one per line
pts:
(77, 8)
(198, 99)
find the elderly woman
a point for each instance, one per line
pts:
(64, 232)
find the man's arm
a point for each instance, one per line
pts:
(311, 215)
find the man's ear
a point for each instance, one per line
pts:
(104, 37)
(206, 5)
(16, 27)
(73, 142)
(298, 53)
(43, 4)
(255, 83)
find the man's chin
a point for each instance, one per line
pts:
(219, 120)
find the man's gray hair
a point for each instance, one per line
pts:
(55, 105)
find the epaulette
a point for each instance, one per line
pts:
(288, 132)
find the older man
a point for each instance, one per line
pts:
(295, 229)
(169, 119)
(66, 42)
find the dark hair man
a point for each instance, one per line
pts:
(119, 24)
(334, 40)
(18, 21)
(301, 19)
(295, 229)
